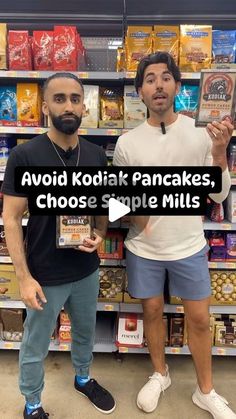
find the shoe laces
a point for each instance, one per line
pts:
(219, 401)
(154, 378)
(96, 390)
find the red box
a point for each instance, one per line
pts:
(19, 50)
(43, 50)
(65, 48)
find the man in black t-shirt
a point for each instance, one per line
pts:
(50, 278)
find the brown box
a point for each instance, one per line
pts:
(12, 320)
(9, 287)
(217, 96)
(177, 330)
(226, 335)
(111, 284)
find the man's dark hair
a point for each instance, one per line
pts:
(156, 58)
(61, 76)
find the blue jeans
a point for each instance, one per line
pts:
(80, 301)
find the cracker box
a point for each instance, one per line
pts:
(195, 47)
(111, 284)
(28, 104)
(135, 112)
(231, 206)
(223, 287)
(65, 48)
(91, 101)
(130, 330)
(9, 288)
(72, 230)
(19, 50)
(166, 38)
(43, 50)
(8, 111)
(3, 46)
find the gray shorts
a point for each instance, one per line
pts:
(188, 278)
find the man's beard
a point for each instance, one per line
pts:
(66, 126)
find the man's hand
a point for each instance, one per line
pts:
(32, 294)
(90, 245)
(220, 133)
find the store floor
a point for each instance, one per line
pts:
(123, 379)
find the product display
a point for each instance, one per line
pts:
(166, 38)
(72, 230)
(195, 47)
(135, 112)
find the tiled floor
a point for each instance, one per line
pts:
(123, 379)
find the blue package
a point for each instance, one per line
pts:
(223, 46)
(8, 112)
(186, 100)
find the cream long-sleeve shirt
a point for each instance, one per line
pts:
(171, 237)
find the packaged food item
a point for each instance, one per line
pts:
(223, 287)
(223, 46)
(65, 53)
(138, 44)
(72, 230)
(130, 330)
(111, 284)
(231, 206)
(3, 244)
(28, 104)
(135, 112)
(121, 65)
(177, 330)
(195, 47)
(91, 101)
(111, 108)
(232, 160)
(3, 46)
(8, 112)
(226, 335)
(6, 143)
(186, 100)
(166, 38)
(112, 246)
(43, 50)
(12, 320)
(9, 285)
(19, 50)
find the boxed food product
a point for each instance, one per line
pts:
(43, 50)
(12, 320)
(111, 284)
(130, 330)
(217, 247)
(177, 330)
(138, 44)
(3, 46)
(19, 50)
(112, 246)
(223, 286)
(231, 206)
(135, 112)
(9, 287)
(223, 46)
(8, 112)
(3, 245)
(65, 48)
(64, 319)
(195, 47)
(226, 335)
(186, 100)
(111, 108)
(28, 104)
(166, 38)
(91, 101)
(232, 160)
(231, 246)
(64, 335)
(72, 230)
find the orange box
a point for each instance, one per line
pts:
(64, 319)
(9, 287)
(64, 334)
(28, 105)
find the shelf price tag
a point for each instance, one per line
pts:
(230, 265)
(34, 74)
(226, 226)
(179, 309)
(108, 307)
(130, 74)
(221, 351)
(112, 132)
(63, 347)
(8, 345)
(213, 264)
(175, 350)
(83, 75)
(21, 130)
(12, 73)
(83, 131)
(5, 259)
(123, 350)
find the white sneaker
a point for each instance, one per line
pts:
(148, 396)
(213, 403)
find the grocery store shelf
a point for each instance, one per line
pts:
(24, 221)
(106, 306)
(112, 262)
(82, 131)
(223, 351)
(42, 75)
(172, 308)
(5, 259)
(224, 225)
(222, 265)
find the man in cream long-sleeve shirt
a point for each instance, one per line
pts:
(173, 244)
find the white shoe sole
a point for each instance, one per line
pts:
(100, 410)
(201, 405)
(152, 410)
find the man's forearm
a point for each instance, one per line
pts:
(15, 245)
(101, 224)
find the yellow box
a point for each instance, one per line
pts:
(9, 287)
(223, 287)
(3, 46)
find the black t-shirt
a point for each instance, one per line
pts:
(47, 264)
